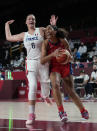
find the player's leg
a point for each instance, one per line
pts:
(55, 81)
(45, 82)
(68, 82)
(32, 81)
(45, 92)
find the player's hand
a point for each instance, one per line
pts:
(10, 22)
(53, 20)
(56, 52)
(68, 60)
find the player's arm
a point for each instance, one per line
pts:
(9, 36)
(53, 22)
(44, 57)
(66, 44)
(42, 31)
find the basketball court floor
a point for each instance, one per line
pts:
(13, 115)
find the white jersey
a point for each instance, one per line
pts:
(33, 45)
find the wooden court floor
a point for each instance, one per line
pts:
(47, 118)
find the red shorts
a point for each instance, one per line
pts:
(64, 70)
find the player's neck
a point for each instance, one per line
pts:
(31, 31)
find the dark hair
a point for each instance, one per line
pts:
(61, 33)
(29, 15)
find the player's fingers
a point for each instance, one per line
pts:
(56, 18)
(11, 21)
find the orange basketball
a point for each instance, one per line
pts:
(63, 57)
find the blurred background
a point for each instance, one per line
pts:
(76, 13)
(78, 17)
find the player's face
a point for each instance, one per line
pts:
(49, 32)
(30, 21)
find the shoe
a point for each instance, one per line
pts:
(88, 97)
(31, 119)
(30, 127)
(85, 114)
(63, 116)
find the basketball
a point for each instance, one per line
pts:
(63, 57)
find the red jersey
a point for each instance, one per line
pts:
(64, 70)
(51, 48)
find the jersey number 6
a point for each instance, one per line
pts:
(33, 45)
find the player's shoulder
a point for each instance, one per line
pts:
(46, 41)
(24, 34)
(41, 30)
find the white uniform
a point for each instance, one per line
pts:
(36, 71)
(33, 44)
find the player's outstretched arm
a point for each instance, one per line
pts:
(9, 36)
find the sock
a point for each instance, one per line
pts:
(82, 110)
(31, 109)
(60, 108)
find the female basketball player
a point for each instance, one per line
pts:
(32, 40)
(50, 49)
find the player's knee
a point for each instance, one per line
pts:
(72, 92)
(32, 86)
(32, 92)
(45, 85)
(55, 85)
(69, 83)
(32, 89)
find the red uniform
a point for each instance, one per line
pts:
(64, 70)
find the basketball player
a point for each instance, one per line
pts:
(32, 40)
(50, 49)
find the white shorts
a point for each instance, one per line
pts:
(41, 70)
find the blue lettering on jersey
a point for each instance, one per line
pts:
(33, 38)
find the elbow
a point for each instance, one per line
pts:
(8, 39)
